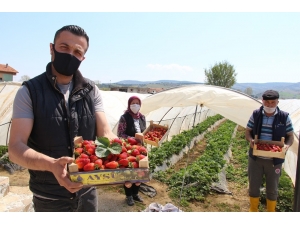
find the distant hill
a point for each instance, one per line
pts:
(286, 90)
(135, 82)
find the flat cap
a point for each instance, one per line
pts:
(270, 95)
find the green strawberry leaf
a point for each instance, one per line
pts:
(115, 148)
(104, 148)
(101, 152)
(102, 141)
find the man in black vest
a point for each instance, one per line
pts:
(268, 123)
(48, 112)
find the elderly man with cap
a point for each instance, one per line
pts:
(268, 123)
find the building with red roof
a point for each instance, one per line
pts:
(7, 72)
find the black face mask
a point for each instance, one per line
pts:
(64, 63)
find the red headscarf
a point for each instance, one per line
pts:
(136, 116)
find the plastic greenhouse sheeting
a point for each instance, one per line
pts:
(8, 91)
(178, 108)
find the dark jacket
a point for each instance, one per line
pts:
(130, 129)
(53, 129)
(278, 127)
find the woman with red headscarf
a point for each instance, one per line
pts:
(130, 123)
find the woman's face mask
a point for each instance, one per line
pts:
(135, 108)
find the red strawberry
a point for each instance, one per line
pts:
(105, 162)
(131, 141)
(83, 155)
(117, 140)
(79, 165)
(78, 151)
(92, 142)
(89, 167)
(131, 158)
(111, 165)
(123, 155)
(93, 158)
(98, 163)
(140, 157)
(123, 162)
(133, 165)
(85, 142)
(135, 146)
(90, 149)
(114, 157)
(143, 150)
(135, 152)
(81, 162)
(109, 157)
(124, 149)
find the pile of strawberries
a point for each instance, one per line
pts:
(269, 147)
(155, 134)
(118, 153)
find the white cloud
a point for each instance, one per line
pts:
(170, 67)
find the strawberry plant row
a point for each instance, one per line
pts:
(3, 150)
(194, 182)
(158, 155)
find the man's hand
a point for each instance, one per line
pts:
(252, 143)
(286, 147)
(249, 137)
(59, 169)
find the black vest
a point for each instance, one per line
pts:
(278, 127)
(53, 129)
(130, 129)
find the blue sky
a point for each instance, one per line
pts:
(152, 45)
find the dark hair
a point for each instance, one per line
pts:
(74, 29)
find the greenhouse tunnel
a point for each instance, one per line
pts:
(180, 109)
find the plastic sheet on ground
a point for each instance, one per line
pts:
(156, 207)
(9, 166)
(147, 190)
(221, 185)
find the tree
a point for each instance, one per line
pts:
(249, 91)
(221, 74)
(24, 78)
